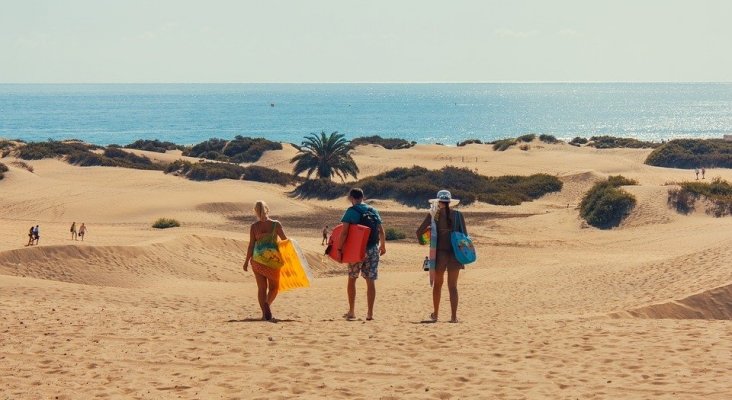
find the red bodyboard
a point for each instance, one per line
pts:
(354, 250)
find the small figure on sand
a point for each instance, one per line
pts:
(73, 231)
(36, 234)
(696, 170)
(426, 263)
(325, 236)
(362, 214)
(443, 221)
(82, 231)
(30, 237)
(704, 172)
(264, 233)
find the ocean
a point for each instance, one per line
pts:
(426, 113)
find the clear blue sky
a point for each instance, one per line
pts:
(364, 41)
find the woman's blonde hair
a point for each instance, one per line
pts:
(261, 210)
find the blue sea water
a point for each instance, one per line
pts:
(426, 113)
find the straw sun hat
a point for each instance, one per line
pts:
(444, 196)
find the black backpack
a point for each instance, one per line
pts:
(369, 218)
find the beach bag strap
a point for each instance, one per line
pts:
(273, 234)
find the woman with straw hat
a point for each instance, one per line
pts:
(441, 222)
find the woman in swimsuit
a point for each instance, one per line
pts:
(82, 231)
(73, 231)
(268, 279)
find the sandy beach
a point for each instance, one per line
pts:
(553, 309)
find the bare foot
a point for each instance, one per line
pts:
(349, 316)
(433, 317)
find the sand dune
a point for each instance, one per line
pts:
(553, 308)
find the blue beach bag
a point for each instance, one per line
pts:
(462, 244)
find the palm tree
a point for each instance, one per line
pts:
(325, 155)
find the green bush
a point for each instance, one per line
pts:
(692, 153)
(212, 171)
(3, 170)
(414, 186)
(550, 139)
(165, 223)
(469, 141)
(605, 205)
(387, 143)
(153, 145)
(612, 142)
(528, 138)
(238, 150)
(503, 144)
(578, 141)
(394, 234)
(718, 193)
(50, 149)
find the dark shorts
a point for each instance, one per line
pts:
(446, 260)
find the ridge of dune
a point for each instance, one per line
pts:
(189, 257)
(715, 303)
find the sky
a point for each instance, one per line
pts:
(160, 41)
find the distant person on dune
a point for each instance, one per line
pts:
(362, 214)
(442, 256)
(73, 231)
(30, 237)
(268, 278)
(704, 172)
(36, 234)
(696, 170)
(82, 231)
(325, 236)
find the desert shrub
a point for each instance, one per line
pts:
(414, 186)
(387, 143)
(50, 149)
(324, 189)
(578, 141)
(529, 137)
(503, 144)
(692, 153)
(605, 205)
(612, 142)
(6, 147)
(152, 145)
(212, 171)
(550, 139)
(3, 170)
(24, 165)
(718, 194)
(165, 223)
(394, 234)
(238, 150)
(524, 147)
(469, 141)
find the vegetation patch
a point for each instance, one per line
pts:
(692, 153)
(51, 149)
(503, 144)
(606, 205)
(387, 143)
(549, 139)
(239, 150)
(165, 223)
(394, 234)
(717, 193)
(414, 186)
(24, 165)
(3, 170)
(612, 142)
(578, 141)
(469, 141)
(153, 145)
(212, 171)
(528, 138)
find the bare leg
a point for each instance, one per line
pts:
(273, 290)
(370, 298)
(437, 291)
(452, 279)
(351, 297)
(262, 293)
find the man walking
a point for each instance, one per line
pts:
(360, 213)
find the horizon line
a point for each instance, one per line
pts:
(351, 82)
